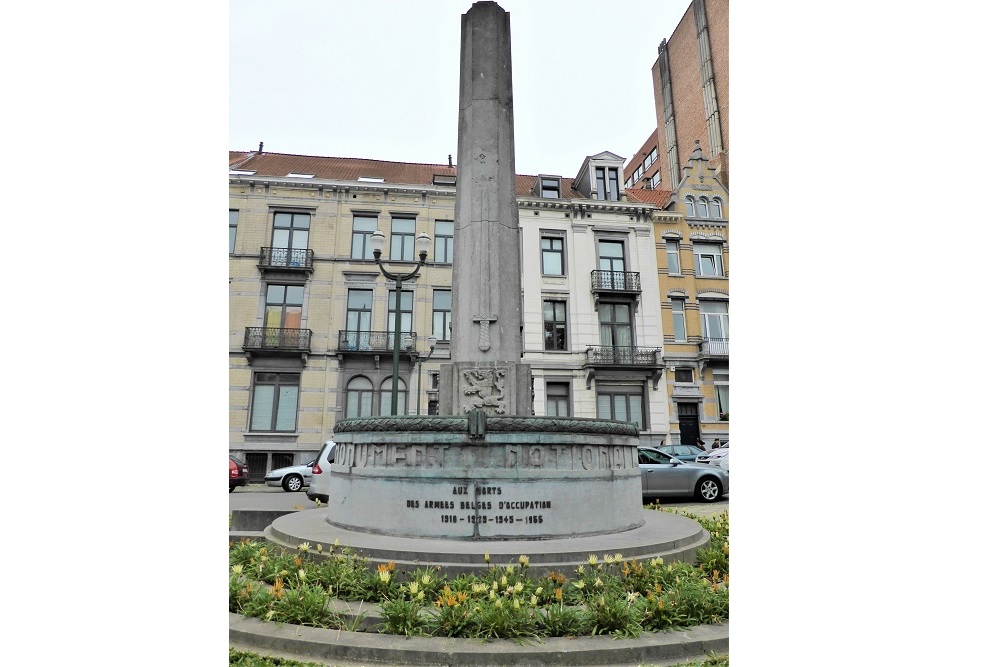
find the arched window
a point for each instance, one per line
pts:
(689, 206)
(702, 208)
(385, 401)
(715, 206)
(359, 398)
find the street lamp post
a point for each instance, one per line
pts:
(422, 244)
(410, 344)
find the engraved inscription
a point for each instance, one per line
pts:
(533, 456)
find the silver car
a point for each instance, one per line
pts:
(291, 478)
(321, 473)
(664, 476)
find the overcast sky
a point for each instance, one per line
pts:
(379, 79)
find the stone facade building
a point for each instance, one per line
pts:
(312, 318)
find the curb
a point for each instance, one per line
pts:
(325, 644)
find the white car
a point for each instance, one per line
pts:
(716, 457)
(319, 488)
(291, 478)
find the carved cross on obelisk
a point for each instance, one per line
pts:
(486, 344)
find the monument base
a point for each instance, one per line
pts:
(662, 534)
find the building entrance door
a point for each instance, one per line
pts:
(687, 415)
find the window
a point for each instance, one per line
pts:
(715, 207)
(289, 239)
(680, 329)
(386, 398)
(275, 402)
(441, 325)
(656, 178)
(557, 399)
(406, 317)
(359, 319)
(702, 207)
(282, 310)
(721, 380)
(554, 316)
(684, 375)
(673, 257)
(233, 216)
(606, 183)
(361, 245)
(715, 320)
(404, 231)
(444, 240)
(615, 324)
(552, 256)
(550, 188)
(611, 259)
(650, 159)
(622, 404)
(635, 176)
(359, 398)
(708, 259)
(689, 207)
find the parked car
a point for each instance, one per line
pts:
(239, 473)
(320, 484)
(291, 478)
(716, 457)
(665, 476)
(683, 452)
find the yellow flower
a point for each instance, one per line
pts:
(632, 596)
(384, 576)
(304, 546)
(496, 586)
(538, 591)
(486, 556)
(517, 605)
(534, 600)
(414, 587)
(503, 580)
(420, 595)
(319, 548)
(498, 604)
(598, 583)
(493, 595)
(580, 584)
(518, 587)
(618, 558)
(237, 569)
(523, 560)
(608, 559)
(302, 574)
(426, 580)
(318, 503)
(592, 559)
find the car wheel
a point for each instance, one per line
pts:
(231, 489)
(292, 483)
(708, 489)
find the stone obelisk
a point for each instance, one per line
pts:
(486, 345)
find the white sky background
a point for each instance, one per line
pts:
(379, 79)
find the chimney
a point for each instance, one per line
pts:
(449, 161)
(261, 148)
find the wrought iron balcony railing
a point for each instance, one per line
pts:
(286, 258)
(624, 356)
(614, 281)
(271, 338)
(371, 341)
(714, 347)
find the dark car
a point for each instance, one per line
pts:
(687, 453)
(239, 473)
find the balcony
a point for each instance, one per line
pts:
(370, 341)
(275, 342)
(624, 363)
(278, 261)
(615, 282)
(714, 348)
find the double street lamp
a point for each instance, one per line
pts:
(422, 244)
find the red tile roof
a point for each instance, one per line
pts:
(656, 197)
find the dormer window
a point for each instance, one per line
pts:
(444, 179)
(606, 183)
(550, 188)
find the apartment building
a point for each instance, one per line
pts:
(312, 318)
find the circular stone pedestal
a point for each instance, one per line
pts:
(662, 534)
(485, 478)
